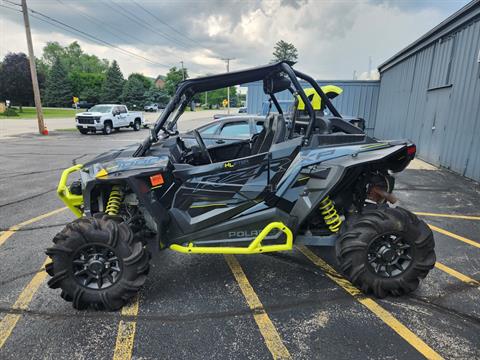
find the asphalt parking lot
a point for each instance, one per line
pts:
(284, 305)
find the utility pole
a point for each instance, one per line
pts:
(227, 60)
(183, 71)
(33, 70)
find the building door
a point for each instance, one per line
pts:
(434, 128)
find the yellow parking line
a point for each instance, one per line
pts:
(267, 329)
(7, 233)
(465, 217)
(457, 274)
(126, 333)
(373, 306)
(8, 323)
(455, 236)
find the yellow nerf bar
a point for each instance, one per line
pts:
(72, 201)
(255, 246)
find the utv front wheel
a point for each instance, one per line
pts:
(386, 251)
(96, 262)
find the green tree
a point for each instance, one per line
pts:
(156, 95)
(134, 92)
(147, 82)
(87, 86)
(173, 78)
(58, 91)
(284, 51)
(15, 80)
(216, 97)
(112, 87)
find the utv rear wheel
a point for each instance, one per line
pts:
(98, 263)
(386, 251)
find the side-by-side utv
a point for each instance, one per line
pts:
(315, 180)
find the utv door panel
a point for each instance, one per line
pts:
(213, 192)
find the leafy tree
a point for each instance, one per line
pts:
(15, 80)
(58, 91)
(216, 97)
(113, 84)
(87, 86)
(284, 51)
(84, 71)
(173, 78)
(147, 82)
(156, 95)
(134, 92)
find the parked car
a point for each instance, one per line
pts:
(242, 110)
(228, 129)
(151, 107)
(108, 117)
(83, 105)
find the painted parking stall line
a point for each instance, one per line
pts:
(267, 329)
(373, 306)
(11, 230)
(457, 274)
(8, 323)
(454, 236)
(451, 216)
(126, 332)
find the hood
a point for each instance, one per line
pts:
(87, 113)
(110, 155)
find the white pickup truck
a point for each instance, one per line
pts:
(107, 117)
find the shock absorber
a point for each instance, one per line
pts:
(114, 200)
(330, 215)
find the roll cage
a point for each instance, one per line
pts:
(276, 77)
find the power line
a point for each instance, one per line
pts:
(100, 23)
(10, 8)
(84, 34)
(164, 23)
(141, 22)
(96, 39)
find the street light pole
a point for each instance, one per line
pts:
(227, 60)
(33, 70)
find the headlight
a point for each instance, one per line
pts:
(97, 119)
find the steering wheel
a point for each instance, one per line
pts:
(202, 145)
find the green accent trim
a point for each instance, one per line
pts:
(255, 246)
(72, 201)
(206, 205)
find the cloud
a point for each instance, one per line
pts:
(334, 38)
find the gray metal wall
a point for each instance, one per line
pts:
(359, 98)
(433, 98)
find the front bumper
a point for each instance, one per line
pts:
(95, 126)
(73, 202)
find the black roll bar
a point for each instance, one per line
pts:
(317, 88)
(293, 77)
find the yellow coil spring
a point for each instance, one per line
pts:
(330, 215)
(114, 200)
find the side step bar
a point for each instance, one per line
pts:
(255, 246)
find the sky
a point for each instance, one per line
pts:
(335, 39)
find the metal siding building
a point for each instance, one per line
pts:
(430, 93)
(359, 98)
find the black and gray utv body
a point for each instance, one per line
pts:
(321, 181)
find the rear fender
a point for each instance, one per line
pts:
(326, 169)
